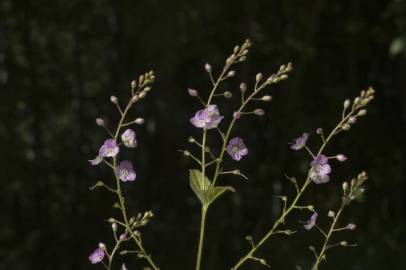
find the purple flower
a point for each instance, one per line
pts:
(320, 170)
(236, 148)
(311, 222)
(97, 256)
(125, 171)
(96, 160)
(300, 142)
(128, 138)
(207, 118)
(341, 157)
(109, 148)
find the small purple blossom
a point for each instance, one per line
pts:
(208, 118)
(236, 148)
(97, 256)
(237, 115)
(319, 131)
(109, 148)
(311, 222)
(128, 138)
(192, 92)
(320, 170)
(97, 160)
(125, 171)
(300, 142)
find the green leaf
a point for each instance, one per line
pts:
(201, 186)
(214, 193)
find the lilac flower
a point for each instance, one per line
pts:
(125, 171)
(128, 138)
(300, 142)
(96, 160)
(208, 118)
(320, 170)
(311, 222)
(341, 157)
(109, 148)
(236, 148)
(97, 256)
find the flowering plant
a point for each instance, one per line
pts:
(205, 179)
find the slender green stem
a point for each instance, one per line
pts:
(281, 219)
(120, 195)
(328, 236)
(201, 237)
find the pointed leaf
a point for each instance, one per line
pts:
(199, 185)
(216, 192)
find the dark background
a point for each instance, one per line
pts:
(61, 60)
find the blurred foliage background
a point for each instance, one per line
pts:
(61, 60)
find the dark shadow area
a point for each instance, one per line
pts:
(60, 61)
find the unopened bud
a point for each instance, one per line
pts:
(352, 119)
(236, 172)
(237, 115)
(344, 243)
(283, 77)
(207, 67)
(114, 226)
(243, 87)
(362, 112)
(258, 77)
(192, 92)
(341, 157)
(191, 140)
(142, 94)
(133, 84)
(259, 112)
(186, 153)
(231, 73)
(100, 122)
(346, 127)
(114, 99)
(139, 121)
(347, 103)
(227, 94)
(319, 131)
(310, 207)
(331, 214)
(147, 89)
(357, 100)
(351, 226)
(102, 245)
(345, 186)
(135, 99)
(266, 98)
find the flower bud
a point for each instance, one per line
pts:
(102, 245)
(191, 140)
(236, 172)
(142, 94)
(283, 77)
(331, 214)
(351, 226)
(346, 127)
(310, 207)
(237, 115)
(114, 226)
(121, 237)
(192, 92)
(362, 112)
(133, 84)
(344, 243)
(341, 157)
(347, 103)
(259, 112)
(207, 67)
(134, 99)
(227, 94)
(266, 98)
(352, 119)
(147, 89)
(186, 153)
(258, 77)
(139, 121)
(114, 99)
(100, 122)
(231, 73)
(319, 131)
(243, 87)
(357, 100)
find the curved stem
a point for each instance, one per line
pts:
(201, 237)
(281, 219)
